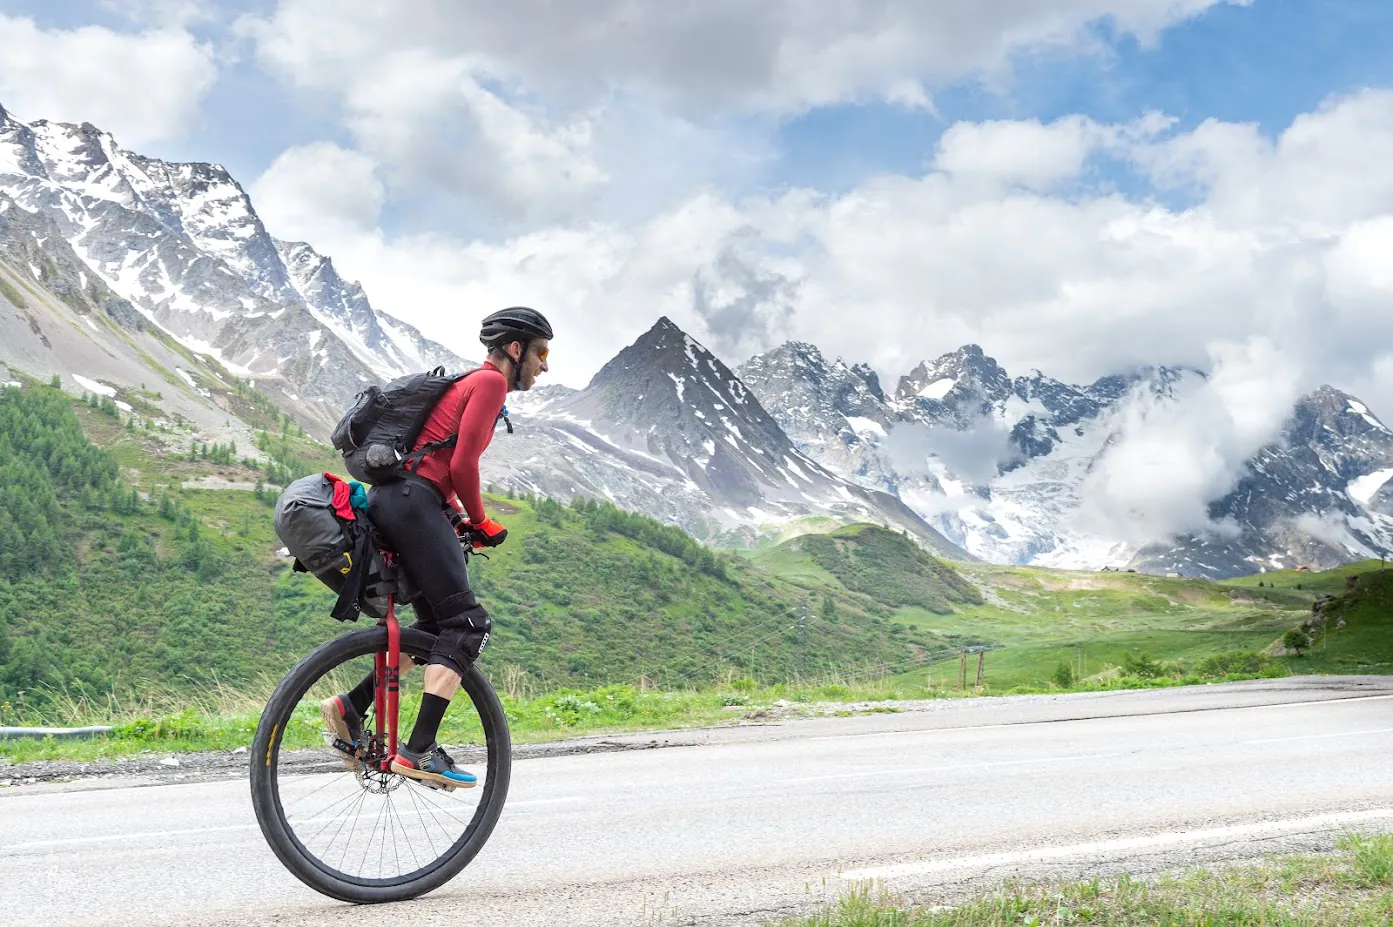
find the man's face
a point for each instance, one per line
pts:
(533, 362)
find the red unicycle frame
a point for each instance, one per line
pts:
(388, 679)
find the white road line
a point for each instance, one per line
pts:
(1139, 714)
(1314, 822)
(1282, 740)
(1033, 761)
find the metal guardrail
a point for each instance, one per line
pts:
(15, 733)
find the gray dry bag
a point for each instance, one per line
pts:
(316, 522)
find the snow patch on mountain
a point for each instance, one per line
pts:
(101, 389)
(1362, 489)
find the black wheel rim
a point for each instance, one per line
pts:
(412, 832)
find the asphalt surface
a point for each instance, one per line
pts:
(749, 824)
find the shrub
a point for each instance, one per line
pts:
(1297, 640)
(1141, 665)
(1238, 663)
(1063, 675)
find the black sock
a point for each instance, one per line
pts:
(361, 696)
(427, 722)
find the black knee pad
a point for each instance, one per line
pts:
(462, 638)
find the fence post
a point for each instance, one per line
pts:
(962, 670)
(981, 669)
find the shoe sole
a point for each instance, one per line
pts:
(435, 780)
(337, 728)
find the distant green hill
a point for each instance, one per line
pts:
(117, 578)
(885, 566)
(1307, 583)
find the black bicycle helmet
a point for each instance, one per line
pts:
(515, 324)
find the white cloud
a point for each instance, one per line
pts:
(165, 13)
(506, 105)
(319, 192)
(442, 125)
(781, 55)
(1171, 457)
(1329, 168)
(1024, 152)
(138, 86)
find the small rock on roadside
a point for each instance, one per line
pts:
(241, 751)
(6, 783)
(170, 761)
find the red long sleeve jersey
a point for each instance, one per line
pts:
(470, 409)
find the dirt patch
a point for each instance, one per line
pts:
(218, 482)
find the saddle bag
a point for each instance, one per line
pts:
(322, 521)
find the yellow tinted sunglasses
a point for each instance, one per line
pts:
(542, 354)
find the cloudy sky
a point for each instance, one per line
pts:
(1080, 186)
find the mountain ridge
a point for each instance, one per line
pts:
(183, 243)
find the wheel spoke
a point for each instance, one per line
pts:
(337, 823)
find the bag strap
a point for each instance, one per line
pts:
(355, 584)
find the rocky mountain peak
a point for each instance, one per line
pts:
(665, 360)
(968, 369)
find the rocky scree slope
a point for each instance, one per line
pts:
(1000, 464)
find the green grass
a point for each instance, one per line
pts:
(224, 718)
(885, 566)
(1351, 887)
(1311, 583)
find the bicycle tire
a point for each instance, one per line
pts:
(266, 747)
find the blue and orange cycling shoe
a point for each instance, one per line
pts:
(344, 726)
(432, 767)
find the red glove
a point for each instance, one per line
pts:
(489, 533)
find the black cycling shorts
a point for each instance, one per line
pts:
(411, 520)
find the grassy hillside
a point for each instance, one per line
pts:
(1031, 619)
(123, 573)
(1304, 585)
(123, 576)
(1357, 635)
(884, 565)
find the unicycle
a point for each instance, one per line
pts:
(334, 813)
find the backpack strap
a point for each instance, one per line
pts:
(415, 456)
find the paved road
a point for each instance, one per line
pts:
(738, 826)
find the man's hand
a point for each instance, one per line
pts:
(489, 533)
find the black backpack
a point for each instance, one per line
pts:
(376, 436)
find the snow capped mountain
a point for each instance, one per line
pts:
(1000, 465)
(58, 318)
(668, 429)
(184, 245)
(821, 400)
(1310, 500)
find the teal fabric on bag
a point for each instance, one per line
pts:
(358, 497)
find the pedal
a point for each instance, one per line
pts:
(345, 747)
